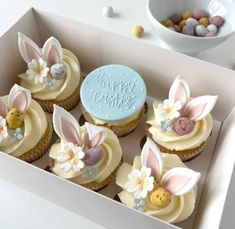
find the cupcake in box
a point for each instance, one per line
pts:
(87, 155)
(181, 124)
(158, 184)
(53, 75)
(113, 96)
(25, 132)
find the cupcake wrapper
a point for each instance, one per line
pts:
(41, 148)
(120, 131)
(68, 104)
(184, 155)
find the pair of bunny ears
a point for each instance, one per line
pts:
(177, 181)
(197, 108)
(68, 129)
(51, 52)
(19, 97)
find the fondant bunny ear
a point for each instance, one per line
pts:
(200, 107)
(179, 181)
(52, 51)
(151, 158)
(96, 134)
(28, 49)
(19, 97)
(66, 126)
(3, 108)
(179, 91)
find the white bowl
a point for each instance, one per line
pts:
(158, 10)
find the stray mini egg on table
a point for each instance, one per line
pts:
(107, 11)
(138, 31)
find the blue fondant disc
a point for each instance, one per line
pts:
(113, 93)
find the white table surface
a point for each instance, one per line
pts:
(21, 209)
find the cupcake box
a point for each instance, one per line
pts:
(158, 67)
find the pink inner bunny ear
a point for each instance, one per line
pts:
(66, 126)
(28, 49)
(199, 107)
(151, 158)
(3, 108)
(179, 91)
(52, 51)
(96, 134)
(179, 181)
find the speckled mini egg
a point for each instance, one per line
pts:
(186, 14)
(175, 18)
(182, 23)
(188, 30)
(138, 31)
(199, 13)
(58, 71)
(107, 11)
(210, 34)
(212, 28)
(204, 21)
(201, 30)
(217, 21)
(167, 23)
(191, 21)
(177, 28)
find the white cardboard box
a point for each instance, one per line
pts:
(158, 67)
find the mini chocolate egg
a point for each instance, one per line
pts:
(199, 13)
(188, 30)
(15, 118)
(204, 21)
(186, 14)
(167, 23)
(182, 23)
(210, 34)
(177, 28)
(107, 11)
(171, 28)
(217, 21)
(212, 28)
(201, 30)
(183, 125)
(58, 71)
(160, 197)
(176, 18)
(191, 21)
(93, 155)
(138, 31)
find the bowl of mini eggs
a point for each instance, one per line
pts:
(192, 26)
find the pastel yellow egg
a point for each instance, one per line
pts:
(138, 31)
(14, 118)
(204, 21)
(167, 23)
(186, 14)
(160, 197)
(182, 24)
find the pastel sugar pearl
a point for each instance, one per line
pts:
(138, 31)
(204, 21)
(182, 24)
(107, 11)
(167, 23)
(200, 13)
(217, 21)
(176, 18)
(93, 155)
(191, 21)
(201, 30)
(210, 34)
(188, 30)
(212, 28)
(187, 14)
(183, 126)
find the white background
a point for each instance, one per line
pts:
(23, 210)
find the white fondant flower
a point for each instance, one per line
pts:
(37, 71)
(3, 128)
(169, 109)
(140, 182)
(70, 157)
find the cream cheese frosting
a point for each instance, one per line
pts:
(180, 206)
(63, 88)
(34, 118)
(172, 140)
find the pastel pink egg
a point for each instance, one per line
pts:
(217, 21)
(177, 28)
(199, 13)
(175, 18)
(210, 34)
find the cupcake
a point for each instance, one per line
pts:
(25, 132)
(158, 184)
(87, 155)
(181, 124)
(53, 75)
(113, 96)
